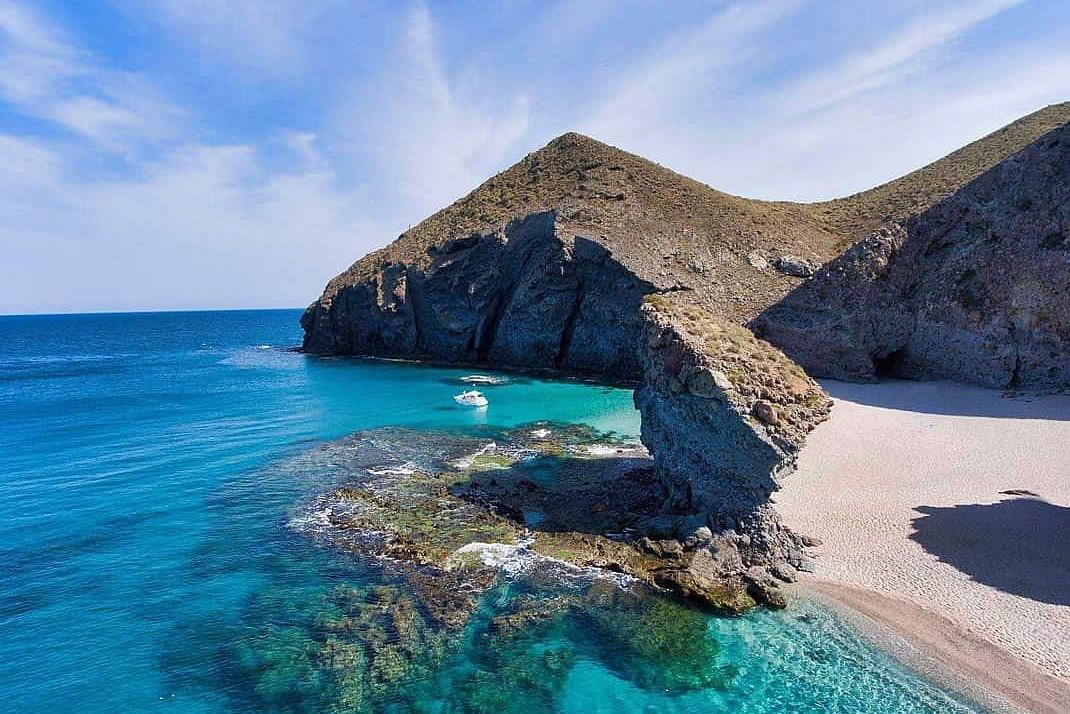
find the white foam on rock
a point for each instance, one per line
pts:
(466, 462)
(518, 559)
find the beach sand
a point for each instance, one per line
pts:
(904, 487)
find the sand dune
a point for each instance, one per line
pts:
(951, 498)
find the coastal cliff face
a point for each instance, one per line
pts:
(724, 416)
(531, 294)
(962, 275)
(724, 413)
(545, 265)
(976, 289)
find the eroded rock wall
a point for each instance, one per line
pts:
(528, 295)
(724, 416)
(975, 289)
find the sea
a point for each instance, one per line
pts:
(154, 469)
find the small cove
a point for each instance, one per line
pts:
(152, 465)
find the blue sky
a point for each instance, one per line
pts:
(171, 154)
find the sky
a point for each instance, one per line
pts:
(198, 154)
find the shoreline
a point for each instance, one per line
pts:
(944, 651)
(941, 512)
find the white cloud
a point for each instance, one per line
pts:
(903, 54)
(178, 222)
(852, 146)
(653, 93)
(268, 36)
(422, 136)
(729, 104)
(203, 226)
(43, 76)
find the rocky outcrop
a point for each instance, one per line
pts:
(975, 289)
(723, 415)
(545, 265)
(531, 294)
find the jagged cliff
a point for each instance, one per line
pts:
(974, 289)
(545, 265)
(724, 415)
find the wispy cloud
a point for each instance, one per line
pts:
(43, 76)
(694, 62)
(211, 223)
(266, 36)
(904, 53)
(427, 138)
(180, 223)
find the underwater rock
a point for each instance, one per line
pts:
(453, 511)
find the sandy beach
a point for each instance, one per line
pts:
(907, 486)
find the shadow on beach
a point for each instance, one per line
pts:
(949, 399)
(1018, 545)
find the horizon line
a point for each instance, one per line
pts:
(76, 313)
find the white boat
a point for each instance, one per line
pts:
(471, 398)
(481, 379)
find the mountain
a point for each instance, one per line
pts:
(547, 263)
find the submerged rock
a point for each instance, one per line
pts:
(455, 511)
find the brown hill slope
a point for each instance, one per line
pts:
(547, 263)
(853, 217)
(669, 229)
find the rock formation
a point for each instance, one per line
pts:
(974, 289)
(724, 415)
(960, 270)
(546, 264)
(531, 294)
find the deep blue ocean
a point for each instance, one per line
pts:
(151, 466)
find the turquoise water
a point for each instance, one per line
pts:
(147, 557)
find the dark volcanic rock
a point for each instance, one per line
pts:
(528, 295)
(975, 289)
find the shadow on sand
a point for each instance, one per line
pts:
(1017, 545)
(950, 399)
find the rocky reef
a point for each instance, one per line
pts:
(560, 499)
(975, 289)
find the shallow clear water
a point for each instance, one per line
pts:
(146, 556)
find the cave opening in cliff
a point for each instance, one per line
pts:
(888, 367)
